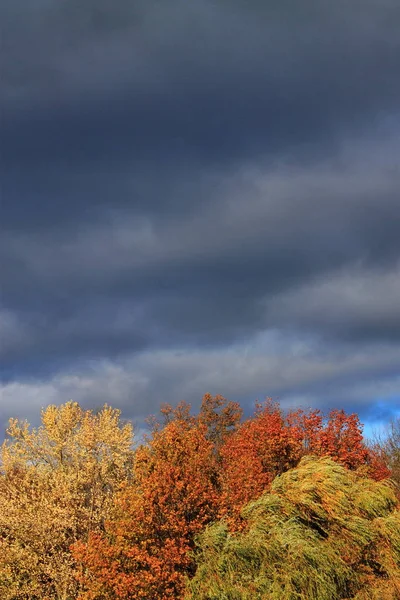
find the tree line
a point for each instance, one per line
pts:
(211, 506)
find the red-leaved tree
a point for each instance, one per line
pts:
(270, 442)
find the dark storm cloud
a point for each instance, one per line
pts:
(354, 304)
(265, 232)
(97, 87)
(192, 175)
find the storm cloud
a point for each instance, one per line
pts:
(200, 197)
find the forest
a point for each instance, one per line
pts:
(280, 505)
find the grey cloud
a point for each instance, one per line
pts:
(180, 177)
(353, 303)
(247, 259)
(350, 198)
(297, 373)
(205, 79)
(150, 42)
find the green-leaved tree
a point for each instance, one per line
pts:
(322, 533)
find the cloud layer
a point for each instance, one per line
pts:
(200, 197)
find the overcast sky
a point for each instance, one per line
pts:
(200, 197)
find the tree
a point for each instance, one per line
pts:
(386, 449)
(84, 517)
(263, 447)
(220, 417)
(342, 439)
(144, 551)
(392, 449)
(56, 486)
(270, 443)
(322, 533)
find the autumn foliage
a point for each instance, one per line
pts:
(270, 443)
(322, 532)
(84, 516)
(56, 487)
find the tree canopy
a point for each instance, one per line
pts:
(56, 487)
(321, 533)
(277, 503)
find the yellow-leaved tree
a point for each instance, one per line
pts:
(57, 483)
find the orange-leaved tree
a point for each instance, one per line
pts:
(342, 439)
(144, 552)
(264, 446)
(220, 416)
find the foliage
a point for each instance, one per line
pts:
(144, 551)
(56, 486)
(322, 533)
(221, 418)
(219, 415)
(260, 449)
(390, 449)
(270, 443)
(83, 516)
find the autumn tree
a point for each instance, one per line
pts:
(342, 439)
(260, 449)
(144, 552)
(83, 516)
(56, 486)
(392, 449)
(323, 532)
(385, 449)
(220, 416)
(175, 492)
(271, 442)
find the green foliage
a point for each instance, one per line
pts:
(322, 533)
